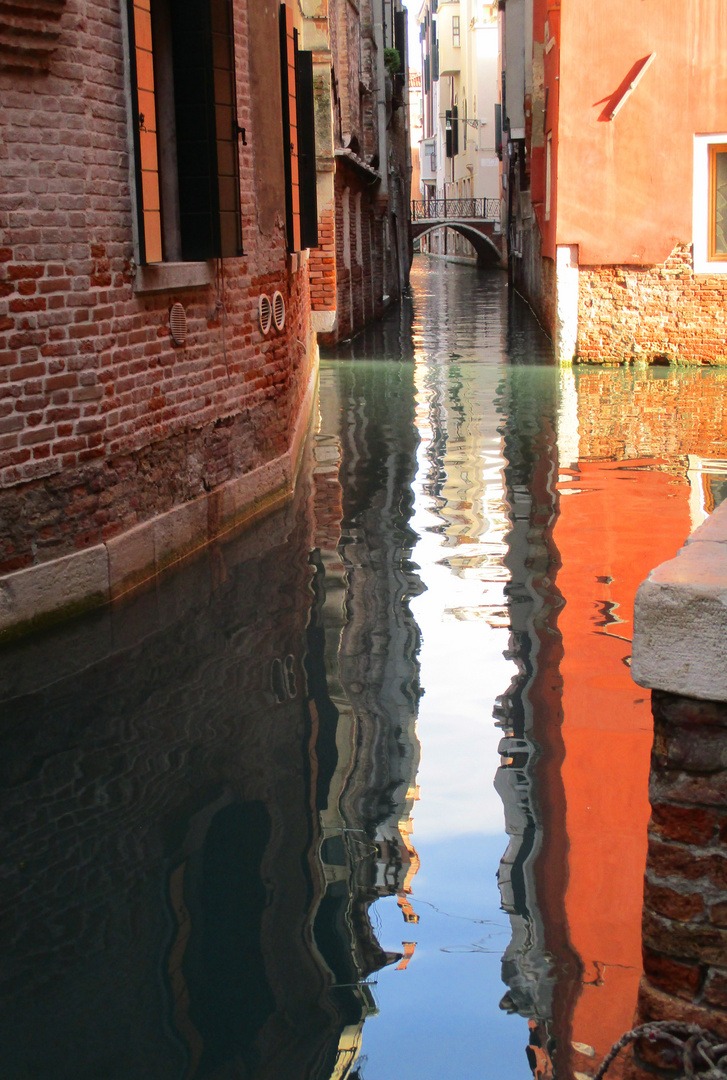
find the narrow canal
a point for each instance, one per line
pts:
(362, 792)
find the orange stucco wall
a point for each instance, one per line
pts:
(625, 185)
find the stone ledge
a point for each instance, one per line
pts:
(167, 277)
(680, 618)
(41, 595)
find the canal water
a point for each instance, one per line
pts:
(362, 792)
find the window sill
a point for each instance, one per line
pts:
(703, 267)
(166, 277)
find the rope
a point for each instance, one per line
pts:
(703, 1056)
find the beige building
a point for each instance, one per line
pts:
(457, 151)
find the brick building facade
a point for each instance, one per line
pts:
(369, 247)
(169, 225)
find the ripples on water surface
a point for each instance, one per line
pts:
(250, 828)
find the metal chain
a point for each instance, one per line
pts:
(703, 1056)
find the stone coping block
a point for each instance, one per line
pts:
(51, 591)
(59, 588)
(680, 618)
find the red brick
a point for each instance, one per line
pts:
(683, 906)
(718, 914)
(688, 824)
(670, 975)
(698, 942)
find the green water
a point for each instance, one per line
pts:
(301, 810)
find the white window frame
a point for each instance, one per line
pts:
(701, 205)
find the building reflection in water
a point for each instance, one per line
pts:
(539, 966)
(205, 788)
(367, 642)
(638, 459)
(630, 494)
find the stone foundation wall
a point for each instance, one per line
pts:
(652, 314)
(533, 276)
(685, 897)
(680, 627)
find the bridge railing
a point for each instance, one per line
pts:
(442, 209)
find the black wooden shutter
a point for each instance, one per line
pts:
(206, 122)
(400, 35)
(455, 130)
(448, 131)
(225, 100)
(306, 150)
(195, 120)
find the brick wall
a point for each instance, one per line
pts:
(103, 421)
(359, 285)
(652, 313)
(322, 264)
(685, 895)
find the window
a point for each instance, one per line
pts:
(185, 129)
(299, 137)
(455, 31)
(717, 202)
(451, 128)
(709, 211)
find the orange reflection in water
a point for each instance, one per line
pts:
(618, 520)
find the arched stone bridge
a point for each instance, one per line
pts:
(478, 220)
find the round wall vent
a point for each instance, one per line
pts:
(279, 310)
(178, 324)
(265, 311)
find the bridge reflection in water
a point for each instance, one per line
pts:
(207, 792)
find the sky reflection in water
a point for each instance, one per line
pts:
(250, 824)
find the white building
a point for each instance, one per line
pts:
(457, 152)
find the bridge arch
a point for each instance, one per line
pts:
(489, 254)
